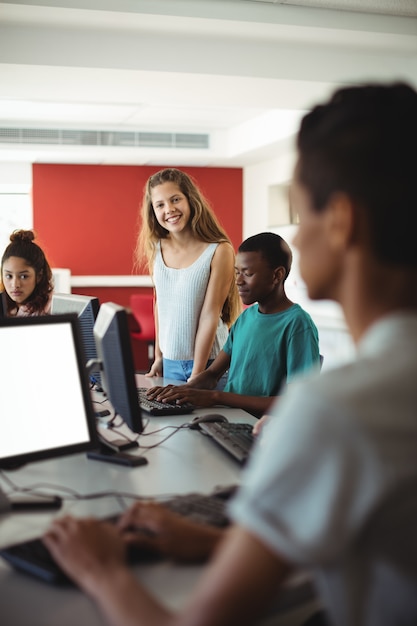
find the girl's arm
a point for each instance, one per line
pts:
(221, 277)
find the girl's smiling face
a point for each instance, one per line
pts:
(171, 207)
(19, 279)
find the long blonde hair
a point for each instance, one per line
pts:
(204, 225)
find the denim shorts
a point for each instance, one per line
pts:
(181, 370)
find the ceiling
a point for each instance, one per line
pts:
(187, 82)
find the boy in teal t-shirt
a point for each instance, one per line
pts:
(269, 344)
(268, 350)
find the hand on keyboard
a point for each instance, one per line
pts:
(154, 407)
(84, 547)
(183, 394)
(168, 533)
(184, 528)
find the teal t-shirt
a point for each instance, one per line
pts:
(269, 350)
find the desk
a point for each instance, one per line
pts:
(187, 461)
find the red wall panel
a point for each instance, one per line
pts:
(87, 216)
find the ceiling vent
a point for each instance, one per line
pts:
(61, 137)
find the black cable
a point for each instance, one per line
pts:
(101, 402)
(74, 495)
(159, 430)
(143, 434)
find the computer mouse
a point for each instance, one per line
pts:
(210, 417)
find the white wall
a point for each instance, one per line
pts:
(256, 181)
(15, 199)
(336, 344)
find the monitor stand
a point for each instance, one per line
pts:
(116, 445)
(114, 452)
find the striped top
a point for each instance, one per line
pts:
(180, 296)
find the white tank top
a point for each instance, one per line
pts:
(180, 296)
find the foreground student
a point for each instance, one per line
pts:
(333, 488)
(270, 343)
(26, 276)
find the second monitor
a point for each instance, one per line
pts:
(114, 352)
(86, 307)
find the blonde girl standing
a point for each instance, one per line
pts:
(191, 261)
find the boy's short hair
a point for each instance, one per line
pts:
(273, 248)
(363, 142)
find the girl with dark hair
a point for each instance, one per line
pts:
(26, 277)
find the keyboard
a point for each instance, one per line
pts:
(33, 557)
(235, 438)
(161, 408)
(200, 508)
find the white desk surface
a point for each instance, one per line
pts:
(186, 462)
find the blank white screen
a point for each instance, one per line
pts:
(41, 394)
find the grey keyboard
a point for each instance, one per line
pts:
(234, 438)
(153, 407)
(200, 508)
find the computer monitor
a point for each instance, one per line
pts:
(114, 352)
(86, 307)
(40, 417)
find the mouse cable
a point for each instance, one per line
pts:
(153, 432)
(155, 445)
(100, 401)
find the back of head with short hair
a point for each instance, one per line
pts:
(273, 248)
(363, 142)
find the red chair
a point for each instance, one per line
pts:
(141, 306)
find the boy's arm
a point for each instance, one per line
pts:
(200, 391)
(256, 405)
(206, 380)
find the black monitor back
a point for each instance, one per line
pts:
(86, 308)
(114, 351)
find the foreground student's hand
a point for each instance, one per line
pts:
(152, 527)
(260, 425)
(87, 549)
